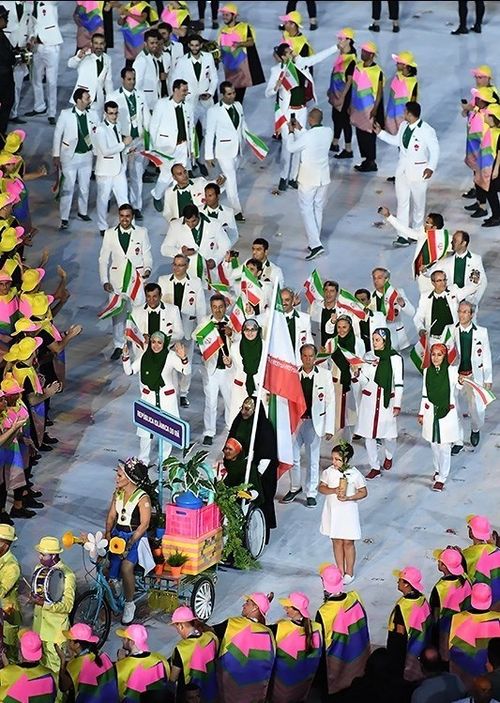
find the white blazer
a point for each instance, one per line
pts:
(453, 294)
(314, 148)
(222, 139)
(422, 151)
(108, 150)
(168, 392)
(303, 334)
(171, 54)
(473, 262)
(45, 26)
(208, 77)
(18, 31)
(146, 78)
(323, 401)
(197, 189)
(170, 320)
(225, 217)
(375, 421)
(163, 126)
(214, 243)
(66, 133)
(87, 77)
(210, 365)
(193, 307)
(143, 116)
(450, 428)
(399, 337)
(112, 258)
(482, 369)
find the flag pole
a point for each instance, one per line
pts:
(260, 381)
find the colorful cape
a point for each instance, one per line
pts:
(21, 684)
(294, 668)
(198, 655)
(453, 598)
(483, 566)
(137, 675)
(92, 683)
(402, 89)
(365, 81)
(469, 637)
(417, 620)
(338, 79)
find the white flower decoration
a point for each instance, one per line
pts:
(96, 545)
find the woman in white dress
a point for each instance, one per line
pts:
(438, 412)
(381, 383)
(343, 486)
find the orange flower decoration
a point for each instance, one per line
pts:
(117, 545)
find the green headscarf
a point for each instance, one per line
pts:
(437, 385)
(152, 364)
(251, 352)
(383, 374)
(349, 344)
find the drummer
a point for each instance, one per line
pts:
(52, 610)
(128, 517)
(10, 573)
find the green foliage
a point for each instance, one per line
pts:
(188, 475)
(234, 549)
(343, 453)
(177, 558)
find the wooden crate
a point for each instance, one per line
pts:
(203, 552)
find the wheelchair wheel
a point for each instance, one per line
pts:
(203, 598)
(255, 532)
(93, 610)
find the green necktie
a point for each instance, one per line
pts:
(465, 350)
(459, 271)
(100, 65)
(115, 130)
(291, 328)
(197, 69)
(233, 114)
(124, 239)
(407, 136)
(178, 294)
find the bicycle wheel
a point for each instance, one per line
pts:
(93, 609)
(203, 598)
(255, 532)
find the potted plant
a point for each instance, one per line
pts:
(188, 479)
(342, 489)
(176, 561)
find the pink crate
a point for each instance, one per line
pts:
(192, 522)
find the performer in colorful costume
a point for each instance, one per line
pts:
(10, 573)
(139, 670)
(483, 557)
(403, 88)
(29, 681)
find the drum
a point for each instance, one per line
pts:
(48, 583)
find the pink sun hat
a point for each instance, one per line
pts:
(299, 601)
(370, 46)
(260, 600)
(451, 558)
(480, 526)
(81, 631)
(481, 596)
(411, 575)
(137, 633)
(182, 614)
(332, 578)
(31, 646)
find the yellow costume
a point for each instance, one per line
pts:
(10, 573)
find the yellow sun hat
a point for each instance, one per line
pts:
(23, 349)
(14, 140)
(405, 57)
(24, 324)
(49, 545)
(294, 17)
(31, 278)
(346, 33)
(10, 238)
(7, 533)
(483, 70)
(370, 47)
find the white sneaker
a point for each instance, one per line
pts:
(128, 613)
(348, 579)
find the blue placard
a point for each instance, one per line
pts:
(164, 426)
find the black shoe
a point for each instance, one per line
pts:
(460, 30)
(49, 422)
(374, 27)
(491, 222)
(240, 217)
(101, 232)
(215, 25)
(203, 169)
(293, 184)
(391, 179)
(456, 449)
(366, 166)
(52, 120)
(401, 242)
(184, 402)
(158, 205)
(138, 215)
(476, 28)
(34, 494)
(282, 185)
(22, 513)
(34, 113)
(335, 148)
(207, 441)
(5, 519)
(395, 28)
(17, 120)
(64, 224)
(474, 438)
(479, 212)
(290, 496)
(471, 193)
(471, 207)
(49, 440)
(314, 253)
(45, 448)
(30, 502)
(116, 354)
(36, 457)
(313, 27)
(311, 502)
(344, 154)
(85, 218)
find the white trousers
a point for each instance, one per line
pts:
(135, 171)
(78, 169)
(289, 163)
(306, 436)
(476, 413)
(118, 322)
(311, 205)
(146, 444)
(20, 72)
(372, 451)
(414, 191)
(165, 177)
(200, 108)
(219, 381)
(45, 63)
(228, 168)
(184, 378)
(441, 460)
(105, 186)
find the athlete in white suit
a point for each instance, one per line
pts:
(146, 70)
(94, 71)
(299, 323)
(17, 32)
(158, 316)
(198, 69)
(121, 244)
(418, 157)
(223, 139)
(46, 40)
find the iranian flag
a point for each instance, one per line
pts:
(156, 157)
(257, 145)
(279, 118)
(209, 340)
(351, 305)
(289, 76)
(439, 242)
(482, 394)
(314, 288)
(237, 316)
(353, 359)
(133, 332)
(420, 354)
(282, 381)
(389, 301)
(250, 286)
(449, 340)
(114, 307)
(133, 285)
